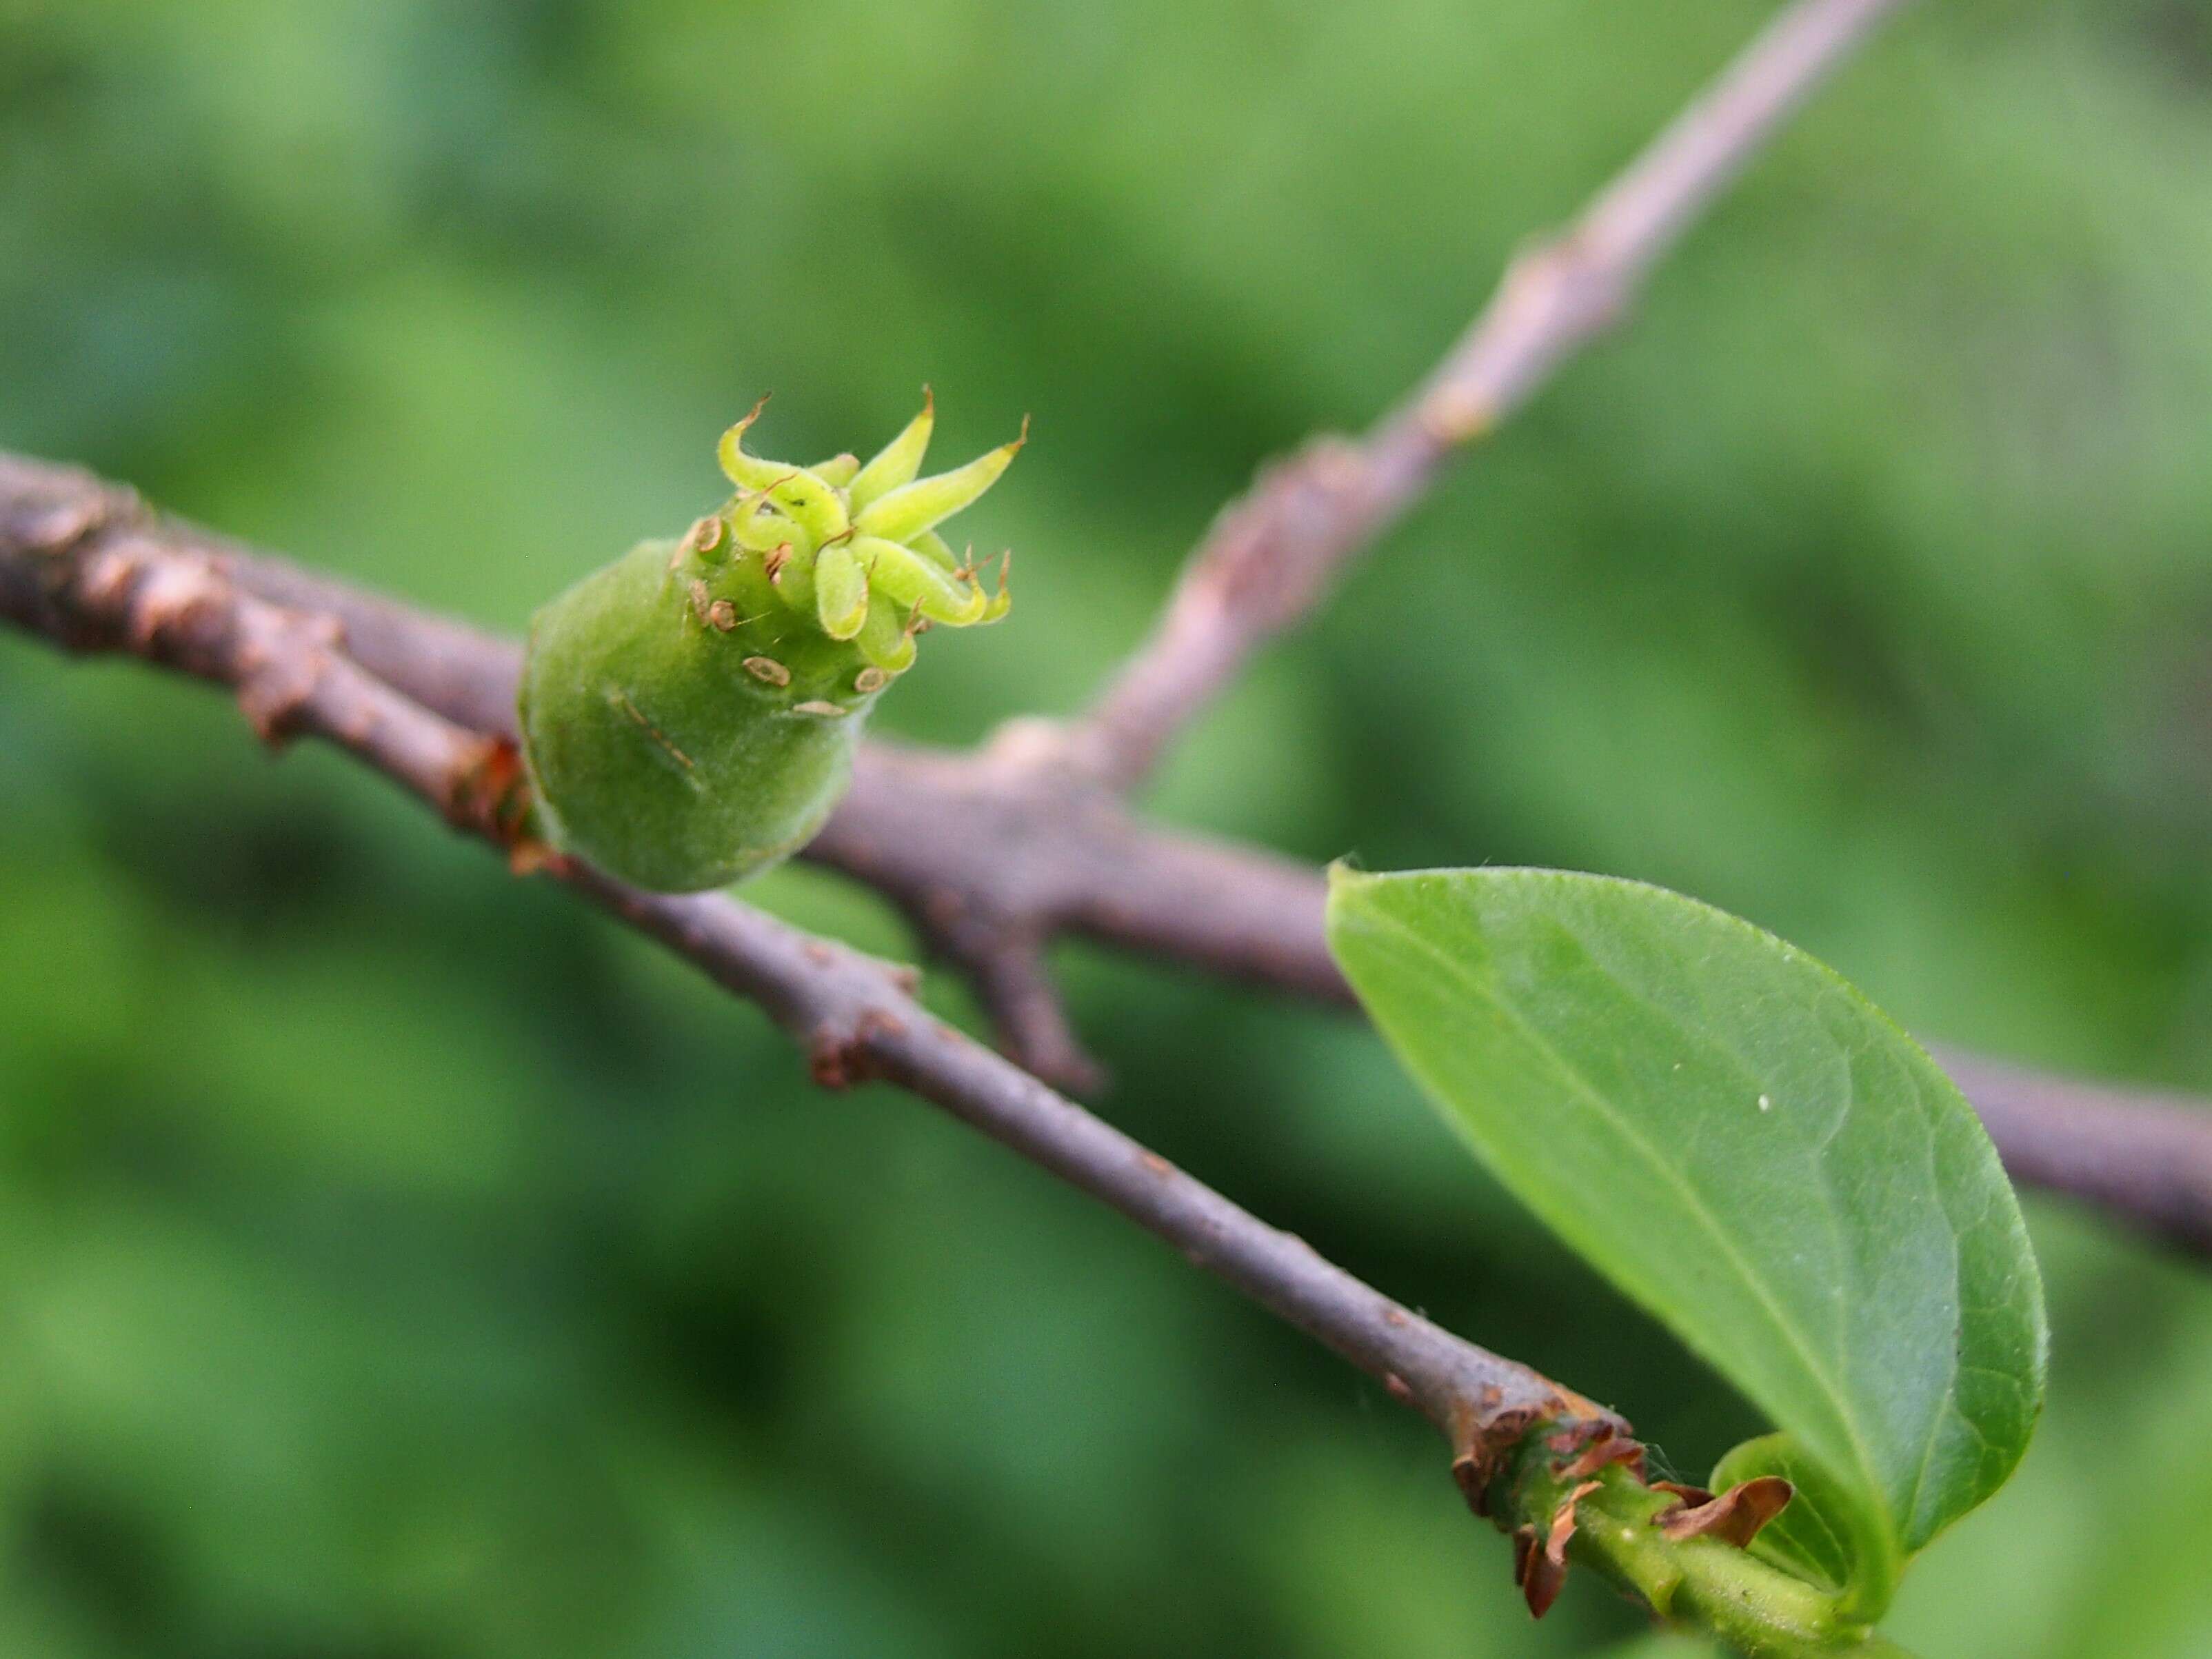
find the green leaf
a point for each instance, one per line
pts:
(1813, 1537)
(1747, 1146)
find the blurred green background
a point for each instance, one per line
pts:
(398, 1261)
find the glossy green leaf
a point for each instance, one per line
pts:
(1815, 1536)
(1746, 1145)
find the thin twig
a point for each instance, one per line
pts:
(80, 566)
(995, 854)
(2145, 1155)
(1272, 555)
(997, 845)
(1268, 561)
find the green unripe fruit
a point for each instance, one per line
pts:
(690, 713)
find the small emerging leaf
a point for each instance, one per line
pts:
(1813, 1537)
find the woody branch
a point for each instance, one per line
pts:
(82, 567)
(994, 854)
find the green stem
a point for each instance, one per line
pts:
(1702, 1584)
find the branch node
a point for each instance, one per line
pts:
(172, 594)
(837, 1048)
(61, 526)
(488, 792)
(1482, 1435)
(1007, 968)
(273, 691)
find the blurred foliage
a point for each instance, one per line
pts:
(395, 1260)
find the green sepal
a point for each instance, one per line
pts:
(1822, 1536)
(1003, 600)
(840, 590)
(916, 582)
(756, 526)
(807, 497)
(927, 502)
(884, 639)
(792, 579)
(900, 459)
(939, 550)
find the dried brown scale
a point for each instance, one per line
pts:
(1563, 1524)
(1735, 1517)
(1606, 1449)
(1480, 1437)
(1540, 1575)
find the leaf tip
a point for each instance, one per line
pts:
(1345, 876)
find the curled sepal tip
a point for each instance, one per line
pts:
(802, 494)
(834, 540)
(911, 508)
(1003, 600)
